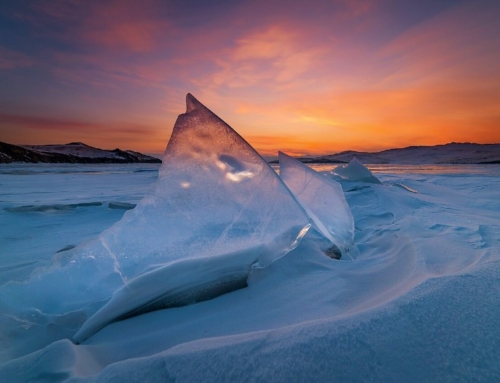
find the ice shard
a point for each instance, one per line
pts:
(215, 195)
(217, 202)
(322, 198)
(356, 171)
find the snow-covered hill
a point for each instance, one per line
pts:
(74, 152)
(452, 153)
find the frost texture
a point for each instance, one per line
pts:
(356, 171)
(322, 198)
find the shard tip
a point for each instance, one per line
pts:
(192, 103)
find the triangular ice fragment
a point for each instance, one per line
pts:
(322, 198)
(356, 171)
(216, 203)
(215, 194)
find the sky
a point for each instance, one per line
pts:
(304, 77)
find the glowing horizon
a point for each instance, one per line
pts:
(307, 78)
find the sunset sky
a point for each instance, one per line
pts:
(304, 77)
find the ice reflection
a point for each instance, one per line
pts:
(238, 176)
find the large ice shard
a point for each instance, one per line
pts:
(217, 202)
(356, 171)
(215, 195)
(322, 198)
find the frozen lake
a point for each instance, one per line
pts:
(419, 302)
(30, 238)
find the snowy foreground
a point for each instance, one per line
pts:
(415, 296)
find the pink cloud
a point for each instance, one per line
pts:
(116, 25)
(458, 44)
(125, 25)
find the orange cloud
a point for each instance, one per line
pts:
(272, 56)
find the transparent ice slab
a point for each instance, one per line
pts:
(322, 198)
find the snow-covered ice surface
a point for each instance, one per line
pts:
(45, 208)
(420, 301)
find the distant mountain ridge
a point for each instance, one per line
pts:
(74, 152)
(452, 153)
(78, 152)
